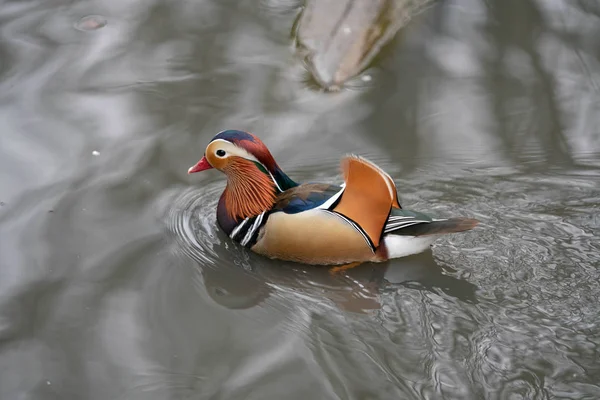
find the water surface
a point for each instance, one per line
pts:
(116, 284)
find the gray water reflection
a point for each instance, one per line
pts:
(115, 282)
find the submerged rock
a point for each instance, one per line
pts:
(339, 38)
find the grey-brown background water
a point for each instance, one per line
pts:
(115, 283)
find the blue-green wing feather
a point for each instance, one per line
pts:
(305, 197)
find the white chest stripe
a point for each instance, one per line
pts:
(253, 228)
(238, 228)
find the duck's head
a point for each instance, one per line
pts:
(253, 176)
(230, 149)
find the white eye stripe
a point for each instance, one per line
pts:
(232, 149)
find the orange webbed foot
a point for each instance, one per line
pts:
(340, 268)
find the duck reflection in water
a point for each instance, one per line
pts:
(356, 290)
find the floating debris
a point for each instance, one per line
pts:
(95, 153)
(340, 38)
(91, 23)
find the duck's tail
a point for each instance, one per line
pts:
(438, 227)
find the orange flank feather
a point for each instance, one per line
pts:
(368, 197)
(249, 191)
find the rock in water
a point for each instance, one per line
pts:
(339, 38)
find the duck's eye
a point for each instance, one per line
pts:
(220, 153)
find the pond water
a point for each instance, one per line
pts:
(116, 284)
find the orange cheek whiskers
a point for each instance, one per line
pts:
(249, 191)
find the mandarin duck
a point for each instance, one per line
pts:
(360, 220)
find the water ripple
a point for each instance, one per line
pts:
(229, 271)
